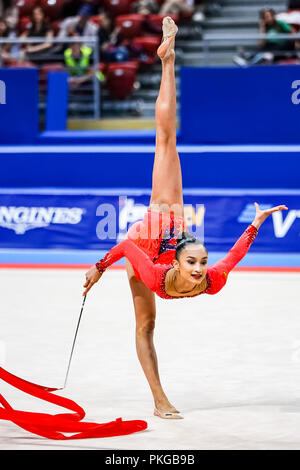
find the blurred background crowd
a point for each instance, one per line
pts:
(120, 39)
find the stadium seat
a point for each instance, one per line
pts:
(19, 64)
(117, 7)
(120, 79)
(96, 19)
(52, 8)
(44, 69)
(25, 7)
(23, 24)
(55, 25)
(149, 43)
(131, 25)
(186, 15)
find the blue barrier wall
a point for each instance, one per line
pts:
(218, 106)
(240, 105)
(57, 101)
(18, 105)
(131, 166)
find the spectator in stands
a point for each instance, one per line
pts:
(5, 49)
(78, 62)
(110, 40)
(272, 27)
(39, 28)
(77, 58)
(93, 4)
(80, 25)
(9, 12)
(176, 7)
(272, 48)
(146, 7)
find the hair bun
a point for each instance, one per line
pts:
(185, 236)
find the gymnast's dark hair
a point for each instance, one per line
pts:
(184, 240)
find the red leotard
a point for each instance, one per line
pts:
(153, 274)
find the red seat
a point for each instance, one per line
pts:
(19, 64)
(149, 43)
(23, 24)
(120, 79)
(117, 7)
(186, 15)
(131, 65)
(56, 66)
(44, 69)
(96, 19)
(102, 67)
(25, 7)
(131, 25)
(52, 8)
(296, 27)
(154, 22)
(55, 25)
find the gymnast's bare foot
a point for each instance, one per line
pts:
(166, 49)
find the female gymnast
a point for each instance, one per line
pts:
(161, 256)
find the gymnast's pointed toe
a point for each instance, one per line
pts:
(170, 29)
(167, 414)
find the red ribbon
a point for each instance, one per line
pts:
(52, 426)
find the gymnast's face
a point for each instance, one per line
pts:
(192, 264)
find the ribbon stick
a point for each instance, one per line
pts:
(73, 345)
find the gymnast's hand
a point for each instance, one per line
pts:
(92, 276)
(261, 216)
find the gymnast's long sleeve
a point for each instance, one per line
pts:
(153, 275)
(150, 273)
(219, 271)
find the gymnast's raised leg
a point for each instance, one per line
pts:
(166, 193)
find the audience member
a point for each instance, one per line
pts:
(272, 48)
(78, 62)
(176, 7)
(146, 7)
(9, 12)
(110, 40)
(80, 25)
(6, 49)
(39, 28)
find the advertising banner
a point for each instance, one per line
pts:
(97, 220)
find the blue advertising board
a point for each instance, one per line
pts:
(222, 105)
(96, 220)
(18, 105)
